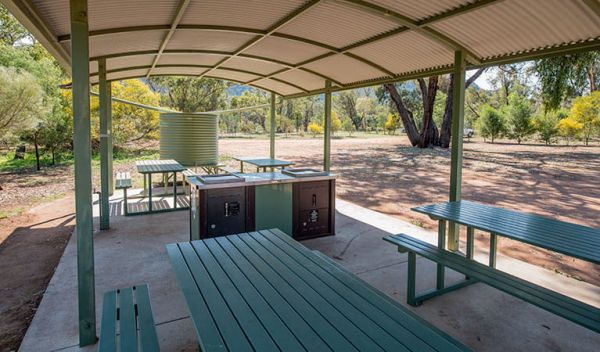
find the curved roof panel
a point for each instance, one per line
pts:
(292, 47)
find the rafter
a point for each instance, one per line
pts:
(287, 19)
(143, 67)
(178, 16)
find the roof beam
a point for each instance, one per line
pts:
(178, 15)
(287, 19)
(413, 25)
(143, 67)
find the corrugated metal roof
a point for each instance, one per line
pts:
(292, 47)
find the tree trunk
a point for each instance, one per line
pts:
(446, 130)
(429, 134)
(37, 152)
(405, 115)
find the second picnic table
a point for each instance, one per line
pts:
(149, 167)
(263, 163)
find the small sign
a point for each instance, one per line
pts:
(313, 216)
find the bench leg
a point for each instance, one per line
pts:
(493, 249)
(174, 190)
(470, 242)
(412, 279)
(125, 207)
(149, 192)
(442, 245)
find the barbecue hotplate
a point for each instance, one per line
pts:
(220, 178)
(303, 172)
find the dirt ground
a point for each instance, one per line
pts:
(31, 245)
(381, 173)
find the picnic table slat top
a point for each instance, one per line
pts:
(567, 238)
(264, 291)
(158, 166)
(264, 162)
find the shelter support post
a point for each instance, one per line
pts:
(83, 172)
(327, 128)
(456, 160)
(106, 188)
(273, 127)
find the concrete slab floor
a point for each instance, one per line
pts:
(133, 251)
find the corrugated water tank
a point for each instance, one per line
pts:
(191, 139)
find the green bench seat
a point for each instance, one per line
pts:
(127, 322)
(123, 181)
(564, 306)
(229, 170)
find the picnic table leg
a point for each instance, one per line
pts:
(241, 166)
(174, 190)
(144, 191)
(165, 180)
(149, 192)
(493, 249)
(412, 279)
(470, 240)
(125, 207)
(441, 245)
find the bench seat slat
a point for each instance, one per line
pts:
(148, 338)
(127, 321)
(554, 302)
(108, 327)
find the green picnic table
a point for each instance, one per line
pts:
(149, 167)
(263, 163)
(573, 240)
(263, 291)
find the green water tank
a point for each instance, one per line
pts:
(191, 139)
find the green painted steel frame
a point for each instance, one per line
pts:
(327, 129)
(456, 153)
(273, 126)
(105, 110)
(83, 173)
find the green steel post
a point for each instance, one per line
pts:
(456, 160)
(493, 249)
(411, 286)
(327, 128)
(83, 172)
(109, 140)
(104, 146)
(442, 245)
(273, 127)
